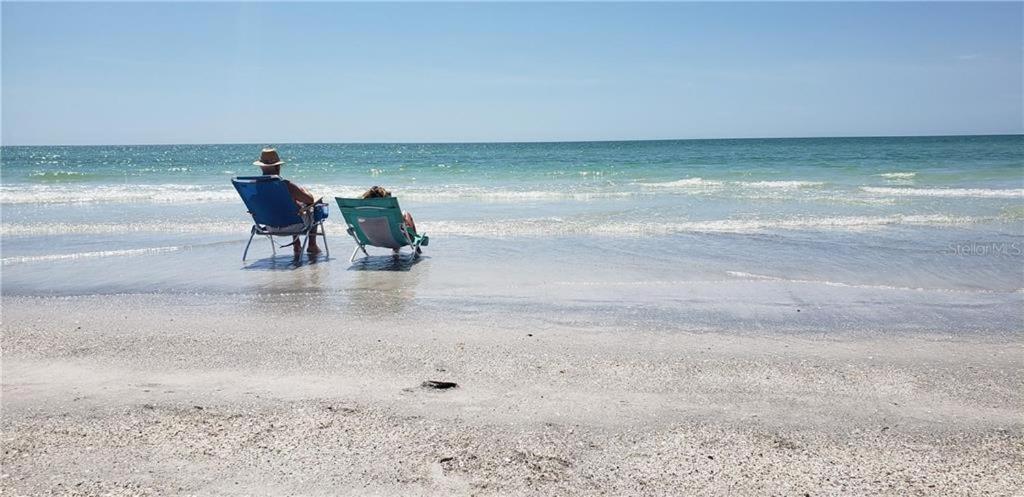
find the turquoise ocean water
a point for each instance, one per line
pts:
(927, 231)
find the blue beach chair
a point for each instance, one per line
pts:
(378, 222)
(274, 213)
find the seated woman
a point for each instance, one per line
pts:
(380, 192)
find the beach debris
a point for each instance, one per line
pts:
(529, 334)
(446, 459)
(439, 385)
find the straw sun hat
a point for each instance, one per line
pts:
(268, 158)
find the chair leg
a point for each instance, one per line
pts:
(354, 252)
(246, 252)
(273, 246)
(302, 248)
(323, 233)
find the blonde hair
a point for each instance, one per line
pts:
(376, 192)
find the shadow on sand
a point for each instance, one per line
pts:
(403, 262)
(284, 262)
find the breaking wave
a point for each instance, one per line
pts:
(90, 255)
(190, 194)
(168, 193)
(760, 277)
(684, 183)
(786, 185)
(509, 228)
(898, 175)
(946, 192)
(557, 226)
(780, 190)
(701, 183)
(61, 176)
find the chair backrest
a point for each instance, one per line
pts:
(268, 200)
(375, 221)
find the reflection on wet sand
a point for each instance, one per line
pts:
(289, 285)
(386, 285)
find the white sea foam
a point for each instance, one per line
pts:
(190, 194)
(56, 174)
(555, 227)
(526, 228)
(45, 229)
(785, 185)
(752, 276)
(62, 194)
(898, 175)
(551, 226)
(684, 183)
(500, 196)
(761, 277)
(945, 192)
(701, 184)
(88, 255)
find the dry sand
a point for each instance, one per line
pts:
(139, 395)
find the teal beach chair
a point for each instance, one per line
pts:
(274, 213)
(378, 222)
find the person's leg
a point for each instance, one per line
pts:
(410, 223)
(408, 220)
(296, 246)
(312, 248)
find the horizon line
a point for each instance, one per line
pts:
(520, 142)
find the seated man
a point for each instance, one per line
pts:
(270, 163)
(379, 192)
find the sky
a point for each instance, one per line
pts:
(134, 73)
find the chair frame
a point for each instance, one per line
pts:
(309, 227)
(412, 242)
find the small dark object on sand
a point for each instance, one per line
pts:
(440, 385)
(446, 459)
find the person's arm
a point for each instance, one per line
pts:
(300, 194)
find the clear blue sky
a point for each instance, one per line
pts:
(124, 73)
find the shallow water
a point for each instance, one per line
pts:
(898, 233)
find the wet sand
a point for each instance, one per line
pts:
(156, 394)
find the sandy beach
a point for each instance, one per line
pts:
(156, 395)
(490, 249)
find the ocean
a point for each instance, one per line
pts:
(857, 233)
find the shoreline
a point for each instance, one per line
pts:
(103, 398)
